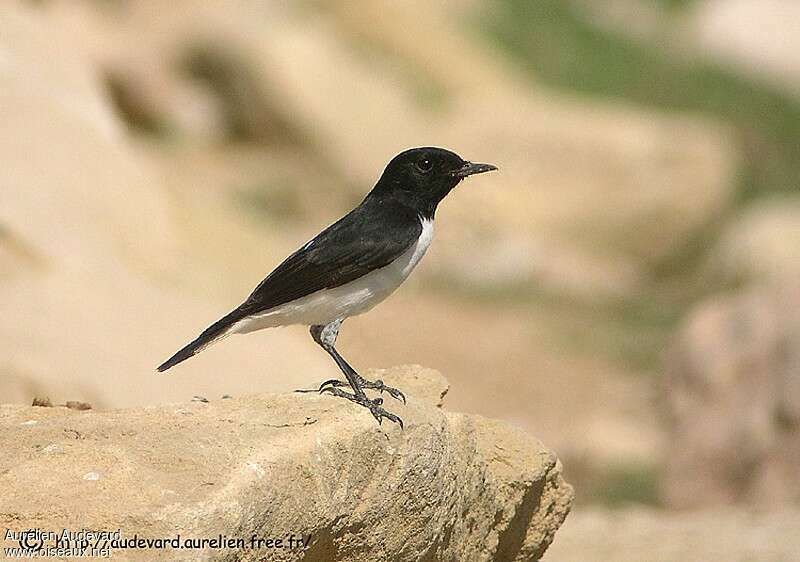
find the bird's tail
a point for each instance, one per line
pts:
(216, 331)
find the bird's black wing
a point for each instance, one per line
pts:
(371, 236)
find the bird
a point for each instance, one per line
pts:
(350, 267)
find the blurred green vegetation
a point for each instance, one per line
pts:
(278, 201)
(627, 484)
(676, 4)
(629, 331)
(615, 484)
(552, 42)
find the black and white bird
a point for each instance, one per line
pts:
(351, 266)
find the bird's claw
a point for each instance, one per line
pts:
(393, 392)
(332, 383)
(381, 413)
(374, 405)
(376, 385)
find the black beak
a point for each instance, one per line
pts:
(469, 169)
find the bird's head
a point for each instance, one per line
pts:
(422, 177)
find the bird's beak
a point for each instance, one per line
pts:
(469, 169)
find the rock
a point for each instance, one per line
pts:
(760, 38)
(761, 244)
(448, 487)
(732, 395)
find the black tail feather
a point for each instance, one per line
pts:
(209, 335)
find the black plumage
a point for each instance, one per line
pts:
(369, 237)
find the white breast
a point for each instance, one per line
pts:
(351, 299)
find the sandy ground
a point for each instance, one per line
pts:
(636, 535)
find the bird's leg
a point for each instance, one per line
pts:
(325, 336)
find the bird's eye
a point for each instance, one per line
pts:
(425, 165)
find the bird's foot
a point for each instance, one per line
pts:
(374, 405)
(364, 383)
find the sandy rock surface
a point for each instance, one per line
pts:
(448, 487)
(762, 243)
(95, 284)
(733, 31)
(732, 395)
(636, 534)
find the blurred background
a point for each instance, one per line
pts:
(636, 305)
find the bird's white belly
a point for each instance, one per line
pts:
(351, 299)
